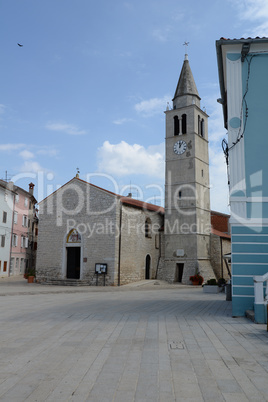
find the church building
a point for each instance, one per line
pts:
(94, 236)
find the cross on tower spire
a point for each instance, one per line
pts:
(186, 46)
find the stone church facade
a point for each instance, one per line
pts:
(86, 230)
(89, 234)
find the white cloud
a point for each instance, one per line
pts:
(255, 11)
(122, 121)
(32, 167)
(124, 159)
(26, 154)
(152, 106)
(218, 181)
(47, 151)
(11, 147)
(217, 168)
(66, 128)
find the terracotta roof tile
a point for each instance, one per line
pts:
(141, 204)
(220, 234)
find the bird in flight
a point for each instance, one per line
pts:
(19, 45)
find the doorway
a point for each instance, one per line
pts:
(73, 262)
(179, 272)
(147, 266)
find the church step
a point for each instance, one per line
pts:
(66, 282)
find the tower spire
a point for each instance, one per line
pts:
(186, 92)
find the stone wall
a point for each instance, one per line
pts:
(219, 245)
(90, 210)
(108, 236)
(135, 246)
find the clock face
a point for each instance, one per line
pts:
(180, 147)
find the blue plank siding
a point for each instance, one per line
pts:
(249, 258)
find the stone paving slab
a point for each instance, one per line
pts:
(139, 343)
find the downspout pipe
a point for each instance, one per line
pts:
(12, 226)
(119, 245)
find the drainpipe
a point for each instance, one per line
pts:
(159, 257)
(12, 225)
(119, 244)
(221, 259)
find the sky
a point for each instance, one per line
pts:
(89, 87)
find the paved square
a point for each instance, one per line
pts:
(151, 342)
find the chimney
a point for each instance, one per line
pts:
(31, 188)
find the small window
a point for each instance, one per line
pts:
(180, 195)
(24, 242)
(184, 123)
(176, 125)
(148, 228)
(25, 201)
(5, 266)
(24, 221)
(202, 173)
(17, 197)
(15, 217)
(4, 217)
(29, 223)
(3, 240)
(6, 197)
(202, 128)
(14, 240)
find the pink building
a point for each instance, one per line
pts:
(23, 231)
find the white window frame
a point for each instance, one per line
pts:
(3, 240)
(25, 221)
(14, 240)
(24, 242)
(15, 217)
(17, 197)
(4, 217)
(26, 202)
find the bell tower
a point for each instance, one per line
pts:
(187, 194)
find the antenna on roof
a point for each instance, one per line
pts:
(7, 177)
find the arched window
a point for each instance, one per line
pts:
(176, 125)
(148, 228)
(199, 125)
(202, 127)
(184, 123)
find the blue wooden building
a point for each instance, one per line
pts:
(243, 77)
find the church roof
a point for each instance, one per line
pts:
(124, 200)
(141, 204)
(186, 84)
